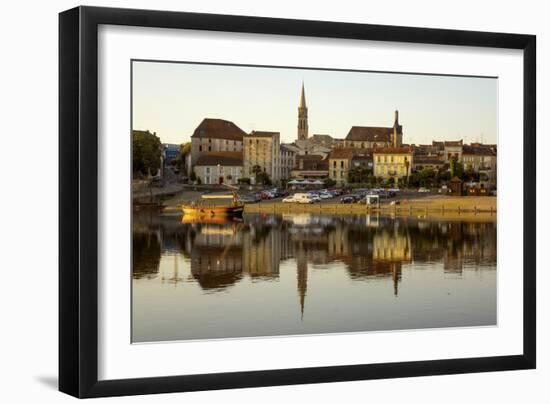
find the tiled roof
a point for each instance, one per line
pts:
(428, 160)
(221, 158)
(393, 150)
(218, 129)
(362, 156)
(341, 153)
(372, 133)
(313, 166)
(260, 133)
(453, 143)
(311, 162)
(448, 143)
(309, 157)
(289, 147)
(478, 151)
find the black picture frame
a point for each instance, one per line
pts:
(78, 201)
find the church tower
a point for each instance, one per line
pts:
(302, 117)
(397, 136)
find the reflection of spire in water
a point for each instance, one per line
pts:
(301, 275)
(395, 277)
(176, 270)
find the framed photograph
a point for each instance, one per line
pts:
(251, 201)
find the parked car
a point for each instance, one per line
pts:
(424, 190)
(266, 195)
(395, 203)
(277, 192)
(251, 198)
(314, 196)
(298, 198)
(347, 199)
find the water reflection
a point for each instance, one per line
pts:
(219, 254)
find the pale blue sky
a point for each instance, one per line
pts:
(173, 98)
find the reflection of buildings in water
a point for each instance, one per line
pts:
(455, 244)
(146, 251)
(379, 253)
(262, 251)
(216, 255)
(233, 252)
(338, 248)
(391, 244)
(391, 248)
(171, 273)
(216, 267)
(222, 253)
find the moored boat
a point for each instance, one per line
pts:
(202, 207)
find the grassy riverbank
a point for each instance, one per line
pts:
(432, 206)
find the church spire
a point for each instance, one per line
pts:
(302, 116)
(303, 97)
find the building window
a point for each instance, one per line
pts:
(342, 164)
(200, 148)
(209, 148)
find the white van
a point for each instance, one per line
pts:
(298, 198)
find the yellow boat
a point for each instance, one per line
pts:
(209, 219)
(203, 208)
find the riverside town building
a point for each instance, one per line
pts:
(222, 153)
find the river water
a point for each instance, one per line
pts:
(270, 275)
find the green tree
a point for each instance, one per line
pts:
(414, 179)
(329, 182)
(260, 175)
(263, 178)
(456, 168)
(359, 175)
(185, 149)
(471, 175)
(146, 153)
(256, 169)
(427, 177)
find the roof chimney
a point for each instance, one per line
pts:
(396, 118)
